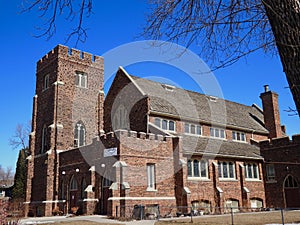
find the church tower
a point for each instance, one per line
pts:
(67, 114)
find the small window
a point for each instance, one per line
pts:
(165, 124)
(79, 135)
(231, 204)
(106, 182)
(256, 203)
(226, 170)
(157, 122)
(171, 125)
(81, 79)
(192, 129)
(46, 82)
(251, 171)
(151, 177)
(238, 136)
(270, 172)
(217, 133)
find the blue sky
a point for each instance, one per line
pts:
(113, 23)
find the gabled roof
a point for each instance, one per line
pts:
(192, 106)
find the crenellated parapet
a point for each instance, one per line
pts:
(125, 134)
(61, 51)
(280, 142)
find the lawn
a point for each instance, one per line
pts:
(261, 218)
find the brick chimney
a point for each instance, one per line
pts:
(271, 112)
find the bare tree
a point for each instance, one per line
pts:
(20, 137)
(224, 30)
(6, 176)
(231, 29)
(51, 10)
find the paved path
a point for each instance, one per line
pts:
(94, 218)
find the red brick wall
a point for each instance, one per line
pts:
(136, 106)
(65, 104)
(4, 203)
(284, 154)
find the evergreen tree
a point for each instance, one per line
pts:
(20, 176)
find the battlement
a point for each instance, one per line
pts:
(66, 52)
(119, 134)
(280, 142)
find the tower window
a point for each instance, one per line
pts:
(46, 82)
(79, 135)
(44, 139)
(81, 79)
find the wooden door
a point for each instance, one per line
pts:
(73, 198)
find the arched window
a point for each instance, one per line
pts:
(121, 119)
(73, 184)
(290, 182)
(256, 203)
(79, 135)
(198, 169)
(44, 139)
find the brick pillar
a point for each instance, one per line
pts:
(219, 203)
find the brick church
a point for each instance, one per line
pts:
(148, 143)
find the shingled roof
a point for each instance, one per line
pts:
(193, 106)
(219, 148)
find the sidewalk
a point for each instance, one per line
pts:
(94, 218)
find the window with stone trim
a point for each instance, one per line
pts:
(217, 133)
(197, 168)
(226, 170)
(151, 184)
(270, 172)
(79, 134)
(165, 124)
(190, 128)
(81, 79)
(238, 136)
(252, 171)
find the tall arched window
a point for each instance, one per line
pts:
(290, 182)
(79, 135)
(44, 139)
(121, 119)
(73, 184)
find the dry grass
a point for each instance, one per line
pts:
(78, 223)
(82, 222)
(240, 219)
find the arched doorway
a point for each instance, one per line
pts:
(291, 192)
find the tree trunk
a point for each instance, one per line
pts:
(284, 17)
